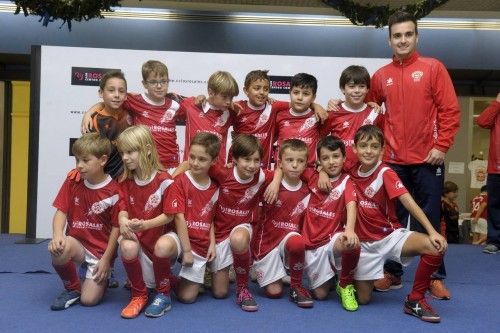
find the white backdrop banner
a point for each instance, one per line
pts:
(66, 93)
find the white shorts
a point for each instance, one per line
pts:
(481, 227)
(148, 274)
(90, 262)
(195, 273)
(273, 266)
(223, 254)
(374, 254)
(319, 263)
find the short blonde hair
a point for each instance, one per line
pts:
(293, 144)
(91, 144)
(223, 83)
(154, 66)
(138, 138)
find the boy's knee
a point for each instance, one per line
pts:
(164, 248)
(274, 293)
(129, 248)
(320, 294)
(220, 293)
(89, 301)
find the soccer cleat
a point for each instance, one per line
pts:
(421, 309)
(438, 290)
(159, 306)
(65, 300)
(245, 300)
(388, 282)
(134, 307)
(301, 297)
(490, 249)
(348, 297)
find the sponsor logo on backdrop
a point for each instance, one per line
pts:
(280, 84)
(192, 81)
(86, 76)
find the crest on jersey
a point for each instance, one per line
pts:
(370, 192)
(417, 75)
(222, 120)
(167, 116)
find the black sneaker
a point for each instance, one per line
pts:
(301, 297)
(65, 300)
(421, 309)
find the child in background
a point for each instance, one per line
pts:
(143, 221)
(329, 226)
(277, 243)
(353, 113)
(377, 186)
(479, 217)
(449, 211)
(192, 200)
(300, 122)
(88, 211)
(153, 109)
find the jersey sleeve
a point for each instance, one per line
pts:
(218, 173)
(61, 202)
(268, 176)
(176, 197)
(350, 192)
(278, 106)
(393, 185)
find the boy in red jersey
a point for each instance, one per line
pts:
(214, 116)
(353, 113)
(479, 217)
(192, 200)
(300, 121)
(143, 221)
(277, 243)
(89, 211)
(329, 226)
(153, 109)
(382, 237)
(236, 213)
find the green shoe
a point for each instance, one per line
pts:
(348, 297)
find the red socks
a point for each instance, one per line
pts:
(426, 267)
(134, 274)
(161, 268)
(295, 249)
(69, 275)
(350, 260)
(241, 268)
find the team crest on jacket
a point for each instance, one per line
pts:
(417, 75)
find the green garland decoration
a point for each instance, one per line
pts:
(368, 15)
(66, 10)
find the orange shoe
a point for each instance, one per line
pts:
(438, 290)
(388, 282)
(134, 307)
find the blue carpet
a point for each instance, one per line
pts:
(474, 281)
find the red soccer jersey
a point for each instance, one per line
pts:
(146, 199)
(476, 203)
(280, 218)
(197, 203)
(261, 123)
(376, 191)
(160, 119)
(326, 213)
(206, 119)
(91, 212)
(302, 126)
(344, 124)
(238, 199)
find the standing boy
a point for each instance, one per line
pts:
(88, 210)
(277, 243)
(479, 217)
(382, 237)
(353, 113)
(415, 90)
(112, 119)
(300, 122)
